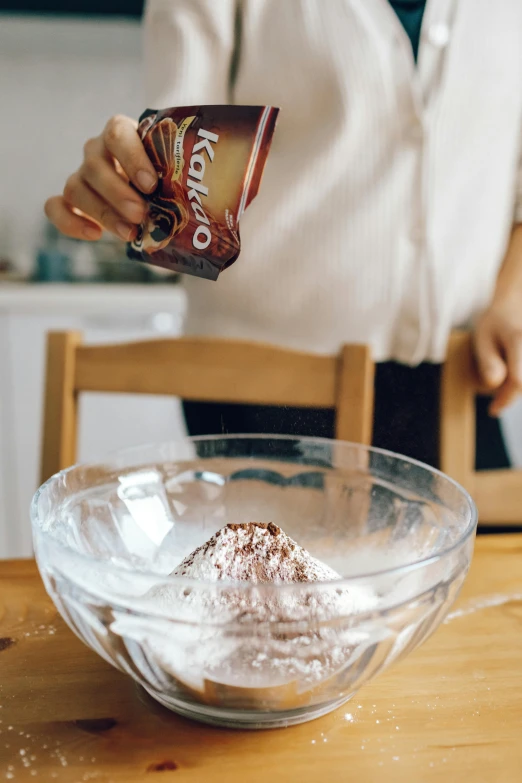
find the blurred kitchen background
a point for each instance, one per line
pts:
(65, 67)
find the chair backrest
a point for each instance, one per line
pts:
(201, 369)
(497, 493)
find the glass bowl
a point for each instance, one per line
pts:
(107, 537)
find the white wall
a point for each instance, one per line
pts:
(60, 80)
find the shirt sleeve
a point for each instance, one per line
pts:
(188, 49)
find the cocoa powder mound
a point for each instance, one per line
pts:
(300, 632)
(256, 552)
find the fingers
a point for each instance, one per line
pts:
(514, 358)
(512, 387)
(70, 224)
(123, 143)
(100, 190)
(507, 394)
(491, 365)
(78, 195)
(101, 177)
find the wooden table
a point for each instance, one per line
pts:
(452, 711)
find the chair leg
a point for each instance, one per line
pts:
(61, 404)
(355, 393)
(457, 411)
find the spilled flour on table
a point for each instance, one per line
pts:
(483, 602)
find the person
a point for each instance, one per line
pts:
(391, 206)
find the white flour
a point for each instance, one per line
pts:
(483, 602)
(254, 636)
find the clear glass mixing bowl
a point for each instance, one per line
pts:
(108, 535)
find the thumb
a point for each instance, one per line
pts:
(491, 365)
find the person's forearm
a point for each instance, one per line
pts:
(508, 290)
(498, 333)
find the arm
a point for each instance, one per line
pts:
(498, 334)
(188, 48)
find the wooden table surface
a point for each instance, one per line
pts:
(451, 711)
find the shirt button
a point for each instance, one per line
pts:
(439, 34)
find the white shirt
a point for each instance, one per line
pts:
(391, 189)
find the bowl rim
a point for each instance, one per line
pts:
(344, 581)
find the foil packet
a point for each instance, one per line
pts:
(210, 161)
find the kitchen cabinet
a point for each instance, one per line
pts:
(107, 422)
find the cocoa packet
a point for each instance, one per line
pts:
(209, 161)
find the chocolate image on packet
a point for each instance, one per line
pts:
(209, 161)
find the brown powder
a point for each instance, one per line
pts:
(255, 552)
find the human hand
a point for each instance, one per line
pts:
(498, 350)
(99, 195)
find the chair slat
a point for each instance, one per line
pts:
(203, 369)
(209, 370)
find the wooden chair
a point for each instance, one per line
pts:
(201, 369)
(497, 493)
